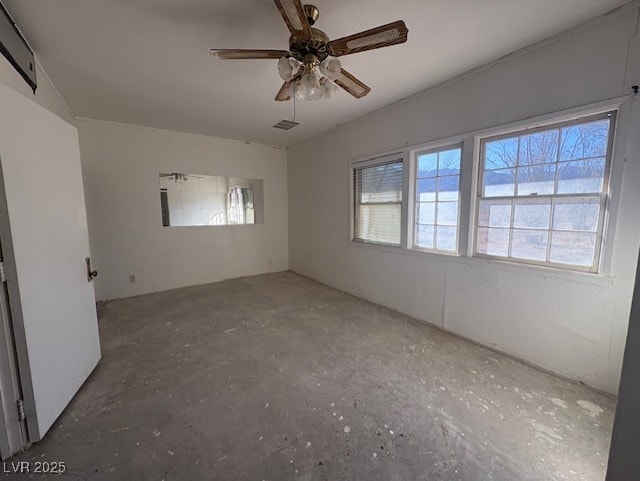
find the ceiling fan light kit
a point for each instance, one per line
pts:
(308, 85)
(310, 50)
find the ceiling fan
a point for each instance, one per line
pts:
(311, 49)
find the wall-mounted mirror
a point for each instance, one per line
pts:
(204, 200)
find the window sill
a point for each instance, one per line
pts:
(404, 251)
(587, 278)
(582, 277)
(439, 252)
(375, 244)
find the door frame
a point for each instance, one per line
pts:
(15, 374)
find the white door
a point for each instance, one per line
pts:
(52, 300)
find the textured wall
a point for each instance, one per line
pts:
(120, 166)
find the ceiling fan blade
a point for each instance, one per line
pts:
(283, 93)
(247, 54)
(383, 36)
(293, 15)
(352, 85)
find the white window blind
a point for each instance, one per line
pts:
(377, 196)
(542, 194)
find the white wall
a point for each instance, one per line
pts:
(120, 165)
(571, 324)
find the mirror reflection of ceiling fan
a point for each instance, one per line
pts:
(177, 176)
(311, 49)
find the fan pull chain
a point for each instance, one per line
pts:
(294, 107)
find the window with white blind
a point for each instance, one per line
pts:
(377, 201)
(436, 174)
(542, 194)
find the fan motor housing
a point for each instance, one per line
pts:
(317, 45)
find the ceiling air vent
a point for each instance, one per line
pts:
(285, 124)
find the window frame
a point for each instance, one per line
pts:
(354, 166)
(469, 175)
(434, 147)
(604, 195)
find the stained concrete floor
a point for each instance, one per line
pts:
(277, 377)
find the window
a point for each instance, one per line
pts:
(377, 201)
(437, 199)
(542, 194)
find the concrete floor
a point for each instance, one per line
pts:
(277, 377)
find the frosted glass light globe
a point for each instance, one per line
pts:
(317, 94)
(310, 86)
(308, 81)
(328, 88)
(331, 68)
(287, 68)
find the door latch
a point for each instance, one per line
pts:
(91, 274)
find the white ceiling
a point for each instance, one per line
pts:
(147, 62)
